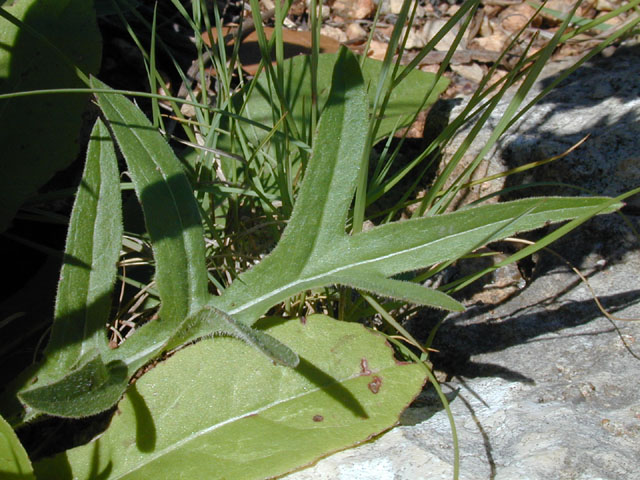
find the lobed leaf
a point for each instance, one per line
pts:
(400, 247)
(371, 281)
(321, 208)
(404, 246)
(174, 224)
(210, 321)
(315, 251)
(236, 416)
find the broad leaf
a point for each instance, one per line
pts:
(40, 133)
(83, 303)
(14, 462)
(217, 410)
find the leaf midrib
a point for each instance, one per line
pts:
(196, 435)
(341, 248)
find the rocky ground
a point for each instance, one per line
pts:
(492, 27)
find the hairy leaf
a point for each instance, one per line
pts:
(257, 104)
(315, 250)
(396, 248)
(236, 416)
(170, 209)
(83, 303)
(88, 390)
(405, 99)
(173, 222)
(210, 321)
(371, 281)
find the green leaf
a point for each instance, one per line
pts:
(320, 211)
(404, 246)
(40, 133)
(14, 462)
(217, 410)
(409, 292)
(88, 390)
(315, 251)
(210, 321)
(405, 99)
(83, 303)
(395, 248)
(173, 222)
(170, 209)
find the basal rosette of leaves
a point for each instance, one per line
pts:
(81, 376)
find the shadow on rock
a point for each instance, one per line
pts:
(477, 331)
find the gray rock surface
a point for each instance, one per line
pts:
(542, 385)
(602, 100)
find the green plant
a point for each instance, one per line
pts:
(317, 181)
(26, 64)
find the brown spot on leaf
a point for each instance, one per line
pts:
(374, 385)
(318, 418)
(364, 367)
